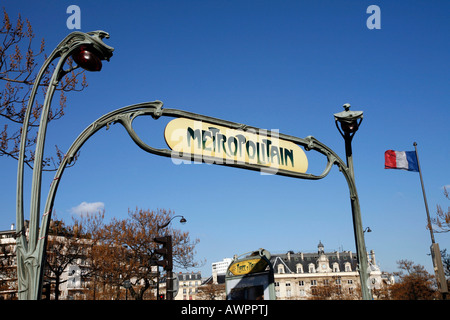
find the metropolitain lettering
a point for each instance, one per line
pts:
(263, 151)
(217, 144)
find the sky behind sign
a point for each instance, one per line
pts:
(281, 65)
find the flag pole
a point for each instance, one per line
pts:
(435, 252)
(424, 195)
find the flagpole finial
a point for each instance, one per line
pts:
(415, 144)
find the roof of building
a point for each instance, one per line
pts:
(189, 276)
(220, 279)
(292, 260)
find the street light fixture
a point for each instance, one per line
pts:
(166, 252)
(348, 120)
(182, 221)
(349, 123)
(87, 58)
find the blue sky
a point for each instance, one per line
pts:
(285, 65)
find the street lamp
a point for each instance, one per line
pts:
(166, 251)
(87, 58)
(87, 50)
(182, 221)
(349, 123)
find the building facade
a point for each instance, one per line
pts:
(300, 275)
(322, 275)
(188, 285)
(8, 269)
(220, 267)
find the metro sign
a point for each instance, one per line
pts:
(218, 144)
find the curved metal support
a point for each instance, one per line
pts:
(125, 116)
(28, 252)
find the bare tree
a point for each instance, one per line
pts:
(416, 284)
(18, 70)
(334, 290)
(65, 247)
(442, 220)
(212, 291)
(125, 251)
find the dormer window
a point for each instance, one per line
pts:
(348, 267)
(335, 267)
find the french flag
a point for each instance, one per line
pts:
(406, 160)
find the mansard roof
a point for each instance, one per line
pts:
(291, 260)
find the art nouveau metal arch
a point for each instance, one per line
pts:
(125, 116)
(31, 254)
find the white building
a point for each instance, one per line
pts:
(221, 266)
(302, 275)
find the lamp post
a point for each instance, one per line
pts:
(87, 50)
(182, 221)
(169, 273)
(349, 123)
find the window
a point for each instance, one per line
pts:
(288, 284)
(311, 268)
(335, 267)
(301, 283)
(350, 281)
(314, 282)
(280, 268)
(299, 268)
(348, 267)
(277, 284)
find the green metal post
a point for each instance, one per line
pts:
(349, 125)
(30, 252)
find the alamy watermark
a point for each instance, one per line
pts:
(74, 20)
(374, 20)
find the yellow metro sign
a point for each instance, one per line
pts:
(225, 145)
(247, 266)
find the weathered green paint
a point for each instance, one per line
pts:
(30, 252)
